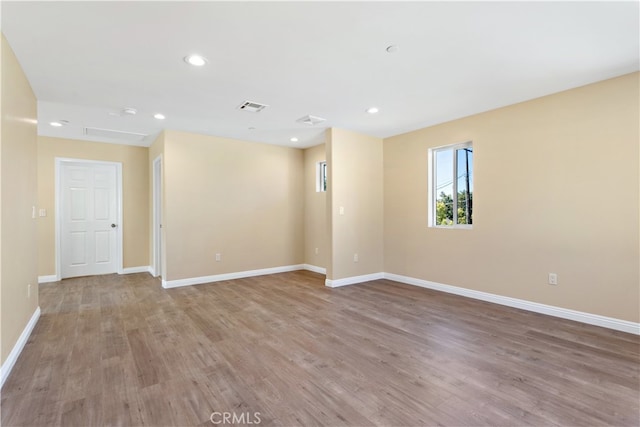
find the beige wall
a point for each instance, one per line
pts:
(135, 197)
(240, 199)
(315, 226)
(18, 194)
(556, 190)
(354, 183)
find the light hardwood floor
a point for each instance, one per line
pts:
(120, 350)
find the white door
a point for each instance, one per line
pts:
(88, 219)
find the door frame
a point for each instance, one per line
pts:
(156, 235)
(59, 163)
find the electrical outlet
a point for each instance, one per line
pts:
(317, 251)
(355, 257)
(553, 279)
(218, 257)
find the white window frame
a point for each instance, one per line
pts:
(433, 194)
(321, 176)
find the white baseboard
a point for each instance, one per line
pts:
(579, 316)
(8, 364)
(141, 269)
(353, 280)
(48, 279)
(229, 276)
(315, 269)
(564, 313)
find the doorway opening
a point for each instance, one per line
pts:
(157, 217)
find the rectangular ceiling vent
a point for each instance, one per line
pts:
(310, 120)
(254, 107)
(115, 134)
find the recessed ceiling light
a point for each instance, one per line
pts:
(129, 111)
(195, 60)
(159, 116)
(58, 123)
(392, 49)
(294, 139)
(372, 110)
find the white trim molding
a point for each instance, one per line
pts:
(564, 313)
(156, 217)
(8, 364)
(315, 269)
(353, 280)
(167, 284)
(141, 269)
(48, 279)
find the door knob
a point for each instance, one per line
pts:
(113, 226)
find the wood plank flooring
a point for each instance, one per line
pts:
(120, 350)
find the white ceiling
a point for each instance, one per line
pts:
(88, 59)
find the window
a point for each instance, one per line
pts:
(451, 187)
(321, 176)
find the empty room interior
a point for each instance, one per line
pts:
(320, 213)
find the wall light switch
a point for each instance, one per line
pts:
(341, 210)
(43, 212)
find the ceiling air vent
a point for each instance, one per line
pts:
(310, 120)
(115, 134)
(254, 107)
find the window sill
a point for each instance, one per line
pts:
(452, 227)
